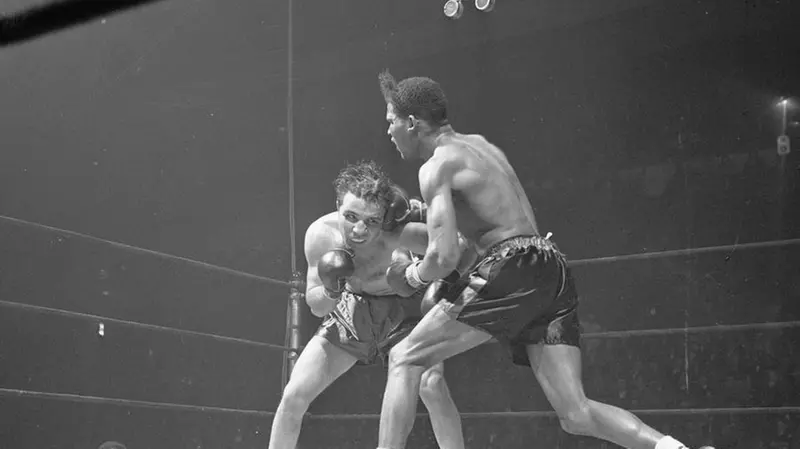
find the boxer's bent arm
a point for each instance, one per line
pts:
(319, 302)
(414, 237)
(443, 251)
(318, 241)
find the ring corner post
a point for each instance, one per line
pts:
(293, 325)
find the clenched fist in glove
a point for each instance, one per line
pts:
(403, 210)
(334, 268)
(440, 287)
(397, 274)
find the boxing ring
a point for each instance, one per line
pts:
(107, 328)
(70, 341)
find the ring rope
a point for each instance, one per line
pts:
(695, 329)
(687, 251)
(170, 330)
(552, 414)
(138, 250)
(9, 392)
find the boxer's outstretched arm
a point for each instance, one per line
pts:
(318, 241)
(443, 251)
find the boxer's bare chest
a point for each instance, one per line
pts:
(370, 274)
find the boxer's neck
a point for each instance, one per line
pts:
(433, 139)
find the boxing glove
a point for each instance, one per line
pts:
(397, 276)
(334, 268)
(436, 291)
(402, 210)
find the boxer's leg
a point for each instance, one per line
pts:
(445, 419)
(444, 416)
(320, 363)
(437, 337)
(558, 369)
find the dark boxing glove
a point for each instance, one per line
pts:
(437, 290)
(334, 268)
(403, 210)
(397, 275)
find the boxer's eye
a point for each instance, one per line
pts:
(373, 222)
(351, 218)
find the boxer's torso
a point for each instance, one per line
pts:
(371, 261)
(489, 201)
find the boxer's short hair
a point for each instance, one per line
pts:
(419, 96)
(366, 180)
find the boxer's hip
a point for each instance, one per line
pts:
(368, 326)
(371, 318)
(517, 280)
(533, 258)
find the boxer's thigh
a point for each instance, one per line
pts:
(517, 291)
(320, 363)
(437, 337)
(558, 325)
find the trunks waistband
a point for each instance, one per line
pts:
(522, 242)
(509, 246)
(364, 297)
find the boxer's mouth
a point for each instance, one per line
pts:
(358, 240)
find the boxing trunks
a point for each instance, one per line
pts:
(368, 326)
(521, 292)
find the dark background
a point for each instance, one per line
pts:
(636, 126)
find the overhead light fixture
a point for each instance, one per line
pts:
(453, 9)
(484, 5)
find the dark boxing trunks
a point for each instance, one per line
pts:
(368, 326)
(521, 292)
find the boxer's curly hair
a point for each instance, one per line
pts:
(366, 180)
(419, 96)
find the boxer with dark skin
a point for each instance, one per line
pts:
(348, 253)
(520, 291)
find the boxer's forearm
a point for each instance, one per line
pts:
(441, 260)
(319, 302)
(441, 256)
(437, 265)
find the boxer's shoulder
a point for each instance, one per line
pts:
(411, 236)
(475, 139)
(323, 234)
(440, 169)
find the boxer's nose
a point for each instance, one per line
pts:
(360, 229)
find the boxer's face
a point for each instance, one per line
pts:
(359, 220)
(402, 133)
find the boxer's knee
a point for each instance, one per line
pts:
(576, 418)
(433, 388)
(295, 402)
(408, 355)
(398, 355)
(402, 355)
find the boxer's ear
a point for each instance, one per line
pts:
(413, 122)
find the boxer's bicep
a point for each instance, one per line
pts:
(414, 237)
(312, 278)
(435, 185)
(442, 230)
(318, 241)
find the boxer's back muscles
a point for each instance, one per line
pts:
(371, 260)
(489, 201)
